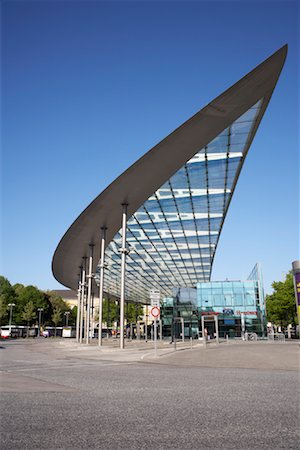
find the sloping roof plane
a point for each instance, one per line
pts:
(178, 195)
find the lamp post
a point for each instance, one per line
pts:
(40, 310)
(11, 305)
(67, 313)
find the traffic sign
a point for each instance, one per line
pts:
(155, 312)
(155, 297)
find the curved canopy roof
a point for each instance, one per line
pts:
(178, 194)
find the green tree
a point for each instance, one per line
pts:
(25, 294)
(56, 318)
(111, 312)
(7, 295)
(73, 316)
(3, 308)
(281, 305)
(29, 314)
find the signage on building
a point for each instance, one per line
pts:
(228, 311)
(155, 297)
(246, 313)
(210, 313)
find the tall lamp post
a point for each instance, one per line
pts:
(67, 313)
(40, 310)
(11, 305)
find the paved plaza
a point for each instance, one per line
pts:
(56, 394)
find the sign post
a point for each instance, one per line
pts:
(155, 313)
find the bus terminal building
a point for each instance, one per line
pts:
(157, 226)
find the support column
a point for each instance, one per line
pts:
(124, 252)
(82, 300)
(102, 256)
(88, 308)
(78, 305)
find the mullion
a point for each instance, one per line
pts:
(115, 270)
(137, 262)
(193, 211)
(183, 230)
(163, 242)
(174, 240)
(226, 169)
(130, 275)
(158, 234)
(208, 205)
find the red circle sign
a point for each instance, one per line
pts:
(155, 311)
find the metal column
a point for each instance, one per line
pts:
(102, 255)
(78, 306)
(88, 308)
(82, 301)
(124, 252)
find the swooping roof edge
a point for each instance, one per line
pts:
(163, 160)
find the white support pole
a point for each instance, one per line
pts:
(102, 256)
(217, 329)
(82, 301)
(160, 330)
(78, 306)
(124, 252)
(155, 337)
(88, 308)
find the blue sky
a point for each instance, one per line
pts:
(89, 86)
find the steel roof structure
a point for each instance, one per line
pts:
(177, 194)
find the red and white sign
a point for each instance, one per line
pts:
(155, 312)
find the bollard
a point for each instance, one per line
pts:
(191, 340)
(227, 339)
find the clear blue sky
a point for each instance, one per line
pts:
(89, 86)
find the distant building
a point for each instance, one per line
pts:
(239, 305)
(68, 295)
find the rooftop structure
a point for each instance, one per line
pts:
(162, 218)
(177, 194)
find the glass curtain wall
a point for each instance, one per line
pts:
(174, 234)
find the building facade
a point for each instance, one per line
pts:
(238, 305)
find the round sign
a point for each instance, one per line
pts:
(155, 311)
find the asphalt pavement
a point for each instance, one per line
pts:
(59, 395)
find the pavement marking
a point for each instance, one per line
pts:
(69, 366)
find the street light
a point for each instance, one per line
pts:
(11, 305)
(67, 313)
(39, 326)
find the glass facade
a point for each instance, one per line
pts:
(173, 235)
(229, 300)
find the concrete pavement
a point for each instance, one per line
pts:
(236, 396)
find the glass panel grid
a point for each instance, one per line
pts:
(173, 236)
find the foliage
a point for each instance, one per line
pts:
(73, 316)
(111, 312)
(25, 294)
(56, 316)
(7, 295)
(29, 313)
(3, 307)
(21, 295)
(281, 305)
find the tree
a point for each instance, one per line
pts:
(73, 316)
(3, 307)
(56, 317)
(29, 314)
(7, 295)
(281, 305)
(25, 294)
(111, 312)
